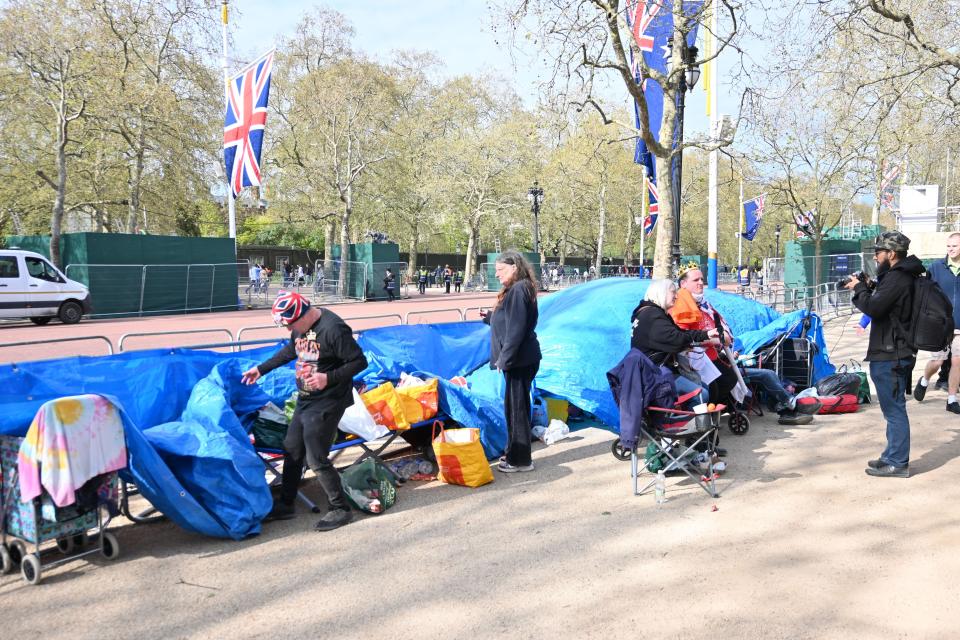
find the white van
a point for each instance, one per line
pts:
(31, 287)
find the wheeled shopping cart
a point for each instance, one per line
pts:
(78, 530)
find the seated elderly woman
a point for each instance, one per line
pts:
(657, 335)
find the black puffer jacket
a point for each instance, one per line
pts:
(891, 300)
(657, 335)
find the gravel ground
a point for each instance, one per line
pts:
(802, 544)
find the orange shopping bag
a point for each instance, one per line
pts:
(419, 402)
(384, 405)
(460, 457)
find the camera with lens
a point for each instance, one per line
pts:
(861, 276)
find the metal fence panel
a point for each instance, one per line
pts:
(125, 289)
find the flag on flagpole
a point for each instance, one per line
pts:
(651, 24)
(709, 46)
(244, 122)
(887, 184)
(653, 207)
(753, 216)
(805, 222)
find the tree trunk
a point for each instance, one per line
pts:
(329, 231)
(471, 252)
(412, 258)
(602, 201)
(135, 181)
(662, 253)
(877, 193)
(56, 221)
(345, 244)
(628, 251)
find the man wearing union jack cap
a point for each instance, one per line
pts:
(327, 358)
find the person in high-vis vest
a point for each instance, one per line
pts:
(422, 280)
(457, 280)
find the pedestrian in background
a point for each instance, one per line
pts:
(946, 273)
(389, 284)
(515, 351)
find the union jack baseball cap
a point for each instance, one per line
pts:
(289, 307)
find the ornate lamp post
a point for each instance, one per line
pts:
(688, 80)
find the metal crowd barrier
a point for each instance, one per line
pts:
(406, 318)
(125, 336)
(56, 340)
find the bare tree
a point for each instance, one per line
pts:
(591, 38)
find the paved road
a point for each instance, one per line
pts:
(208, 328)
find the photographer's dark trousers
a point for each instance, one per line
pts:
(423, 287)
(311, 433)
(516, 407)
(390, 295)
(891, 379)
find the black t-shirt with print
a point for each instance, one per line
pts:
(327, 347)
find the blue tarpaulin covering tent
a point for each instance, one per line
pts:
(186, 412)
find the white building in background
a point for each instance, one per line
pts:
(918, 209)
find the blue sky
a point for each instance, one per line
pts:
(461, 33)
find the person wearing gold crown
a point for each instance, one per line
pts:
(693, 311)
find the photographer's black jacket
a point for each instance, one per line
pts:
(891, 299)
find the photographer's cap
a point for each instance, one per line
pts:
(891, 241)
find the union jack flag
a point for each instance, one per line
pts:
(654, 208)
(247, 94)
(642, 15)
(890, 174)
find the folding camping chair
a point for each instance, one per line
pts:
(271, 458)
(675, 429)
(375, 448)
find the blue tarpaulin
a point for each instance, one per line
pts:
(187, 413)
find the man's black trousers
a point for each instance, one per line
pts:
(311, 433)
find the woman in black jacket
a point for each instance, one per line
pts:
(515, 351)
(657, 335)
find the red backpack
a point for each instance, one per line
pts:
(847, 403)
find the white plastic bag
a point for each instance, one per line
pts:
(407, 380)
(273, 413)
(358, 421)
(557, 430)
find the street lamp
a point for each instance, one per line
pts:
(688, 79)
(777, 234)
(459, 244)
(535, 196)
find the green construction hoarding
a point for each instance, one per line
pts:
(131, 274)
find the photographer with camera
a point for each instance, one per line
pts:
(889, 303)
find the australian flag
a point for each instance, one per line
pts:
(651, 24)
(247, 94)
(752, 216)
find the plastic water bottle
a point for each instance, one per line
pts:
(660, 488)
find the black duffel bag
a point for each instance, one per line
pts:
(839, 384)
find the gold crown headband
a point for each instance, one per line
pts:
(684, 268)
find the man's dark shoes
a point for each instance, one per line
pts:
(919, 392)
(280, 511)
(334, 519)
(888, 471)
(876, 464)
(794, 417)
(953, 407)
(941, 385)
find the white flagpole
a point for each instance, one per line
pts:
(231, 204)
(740, 230)
(713, 197)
